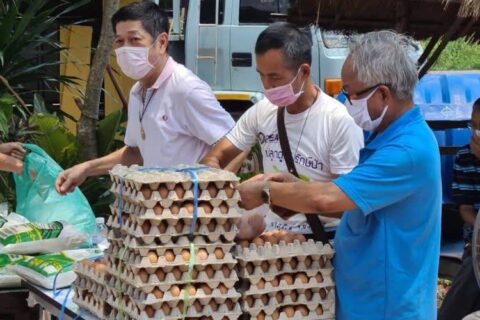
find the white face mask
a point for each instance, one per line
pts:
(358, 109)
(134, 61)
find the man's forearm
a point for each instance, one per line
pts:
(126, 156)
(315, 197)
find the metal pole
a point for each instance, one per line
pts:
(176, 16)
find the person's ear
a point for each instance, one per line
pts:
(162, 42)
(386, 94)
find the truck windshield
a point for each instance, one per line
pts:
(335, 39)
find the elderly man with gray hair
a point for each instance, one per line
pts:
(388, 241)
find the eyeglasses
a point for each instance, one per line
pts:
(348, 95)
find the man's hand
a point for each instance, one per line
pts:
(468, 214)
(251, 193)
(13, 149)
(251, 225)
(71, 178)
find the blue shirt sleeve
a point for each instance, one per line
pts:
(386, 177)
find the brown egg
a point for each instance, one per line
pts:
(308, 262)
(175, 291)
(258, 242)
(143, 274)
(261, 316)
(207, 207)
(162, 228)
(177, 273)
(287, 278)
(274, 282)
(219, 253)
(198, 306)
(202, 255)
(243, 243)
(163, 190)
(250, 301)
(213, 305)
(179, 227)
(185, 255)
(192, 291)
(179, 191)
(206, 289)
(294, 296)
(275, 315)
(323, 293)
(160, 274)
(261, 284)
(100, 267)
(301, 238)
(150, 311)
(189, 207)
(212, 190)
(158, 210)
(250, 267)
(223, 289)
(289, 311)
(227, 226)
(308, 294)
(230, 304)
(273, 240)
(226, 271)
(210, 272)
(319, 277)
(294, 263)
(223, 208)
(146, 191)
(302, 277)
(265, 266)
(319, 310)
(152, 257)
(146, 227)
(321, 262)
(166, 309)
(194, 274)
(158, 293)
(303, 310)
(175, 209)
(229, 190)
(279, 264)
(169, 256)
(211, 226)
(279, 297)
(264, 299)
(87, 263)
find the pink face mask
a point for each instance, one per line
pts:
(134, 61)
(284, 95)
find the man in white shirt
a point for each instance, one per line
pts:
(173, 116)
(323, 138)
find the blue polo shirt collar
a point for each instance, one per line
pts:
(377, 141)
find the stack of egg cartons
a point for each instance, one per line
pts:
(164, 263)
(283, 276)
(91, 290)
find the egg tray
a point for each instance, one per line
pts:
(136, 312)
(95, 305)
(269, 270)
(132, 177)
(328, 314)
(140, 214)
(326, 274)
(102, 291)
(153, 281)
(298, 285)
(90, 273)
(220, 233)
(177, 245)
(154, 197)
(284, 251)
(255, 305)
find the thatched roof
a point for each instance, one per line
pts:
(419, 18)
(439, 20)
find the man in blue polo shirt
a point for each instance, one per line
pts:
(388, 241)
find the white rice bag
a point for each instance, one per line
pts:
(35, 238)
(41, 270)
(9, 279)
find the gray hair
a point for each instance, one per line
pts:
(384, 57)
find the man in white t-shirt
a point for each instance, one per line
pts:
(173, 116)
(323, 138)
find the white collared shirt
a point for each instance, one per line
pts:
(183, 119)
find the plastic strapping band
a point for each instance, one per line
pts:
(120, 202)
(80, 314)
(186, 293)
(64, 304)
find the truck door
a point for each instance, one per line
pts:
(249, 19)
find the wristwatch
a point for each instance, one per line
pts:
(266, 193)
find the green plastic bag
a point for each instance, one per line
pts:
(38, 201)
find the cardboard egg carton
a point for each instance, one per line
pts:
(84, 270)
(213, 310)
(213, 232)
(207, 211)
(284, 251)
(297, 284)
(149, 198)
(269, 271)
(95, 305)
(163, 280)
(320, 276)
(270, 303)
(318, 313)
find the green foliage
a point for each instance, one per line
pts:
(458, 55)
